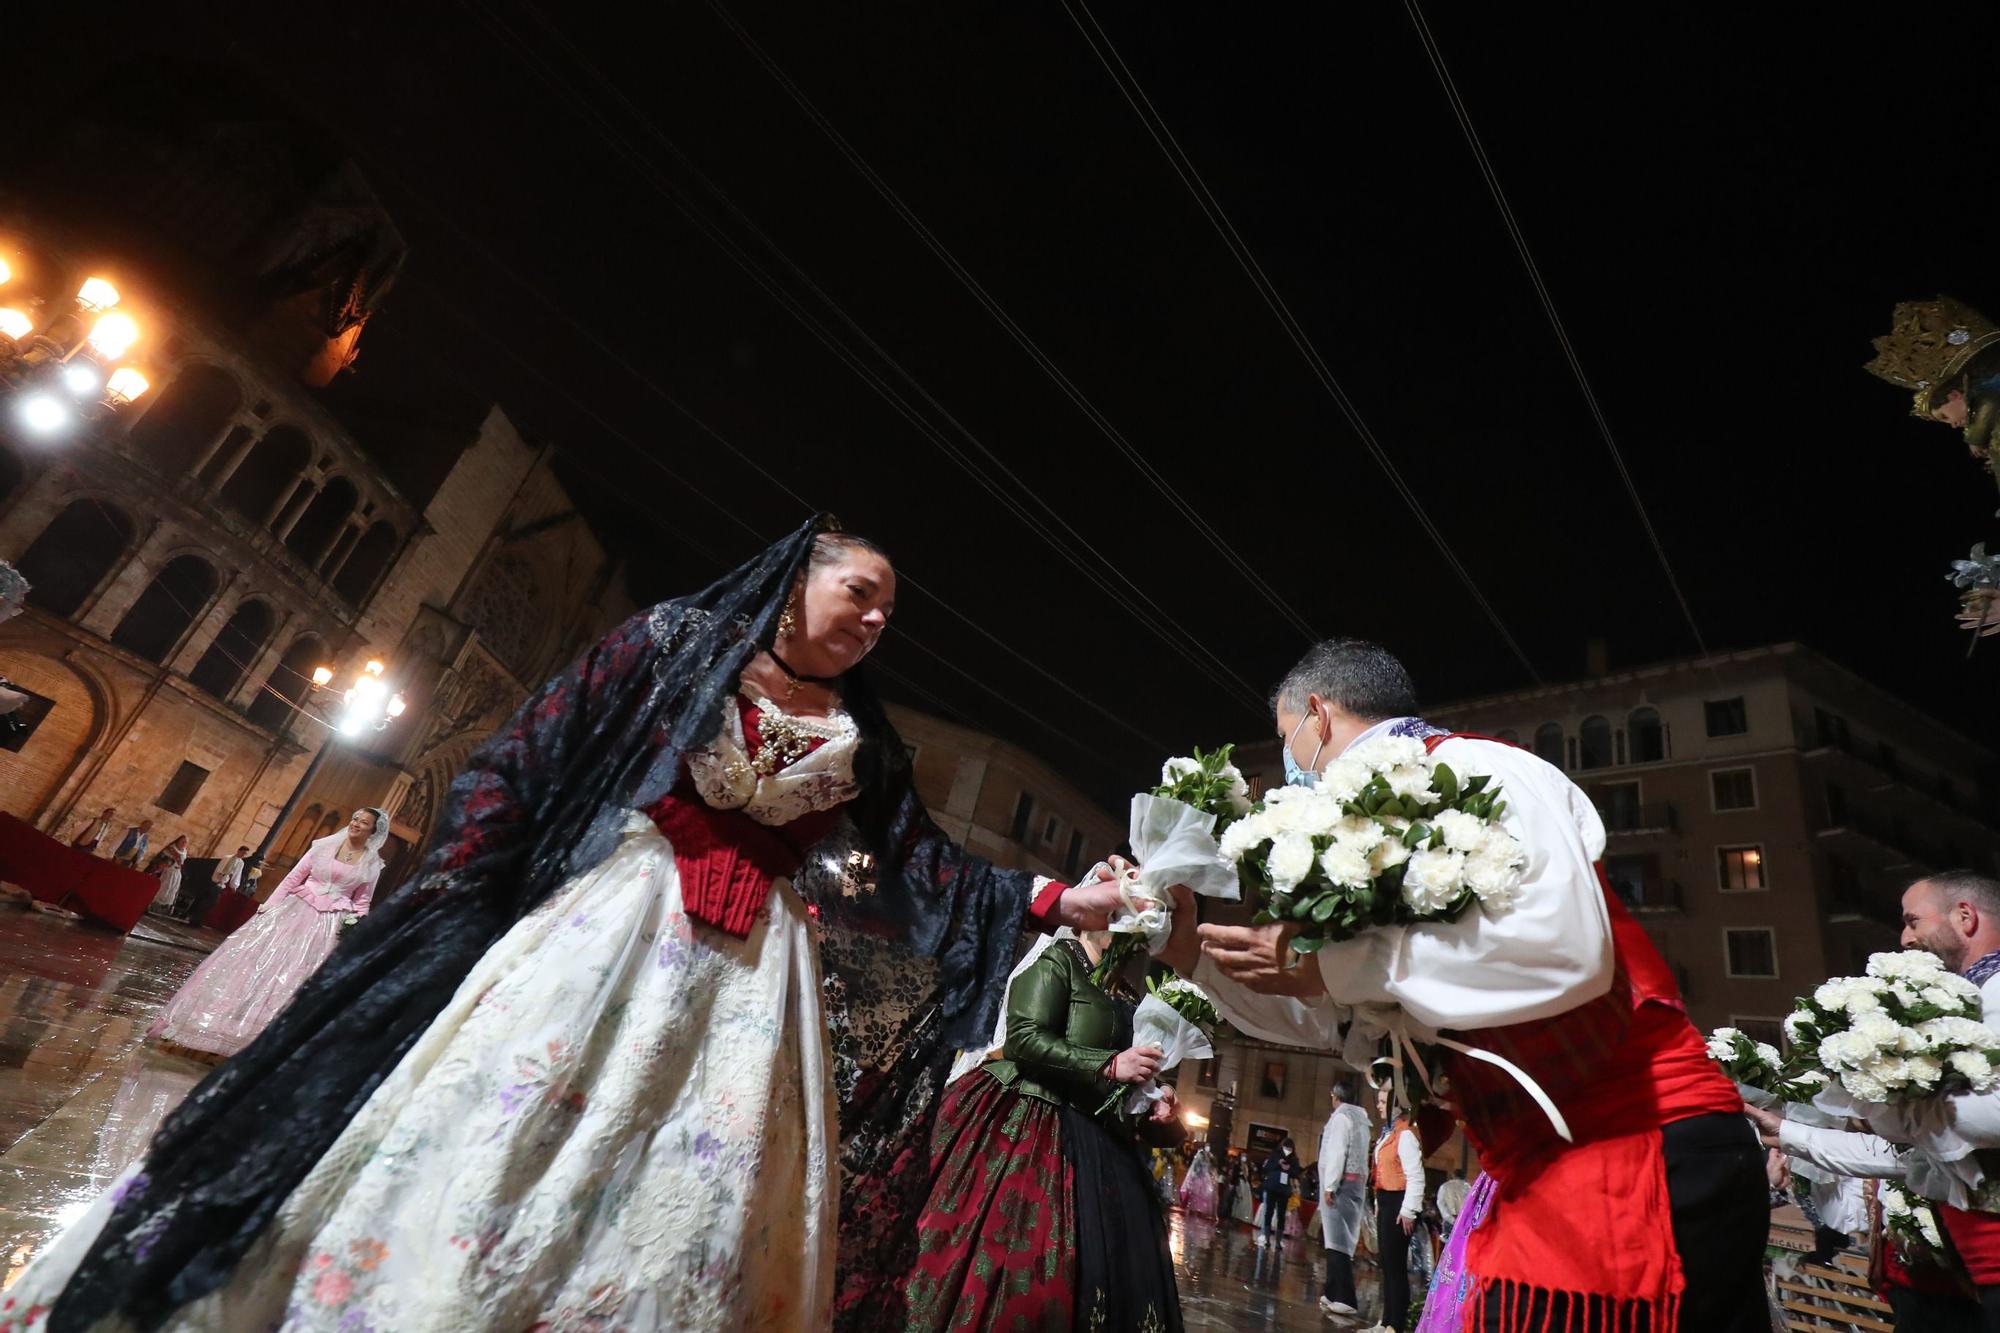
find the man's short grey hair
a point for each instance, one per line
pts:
(1982, 891)
(1360, 678)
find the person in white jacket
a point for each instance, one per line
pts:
(1343, 1181)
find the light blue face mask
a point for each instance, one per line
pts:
(1296, 776)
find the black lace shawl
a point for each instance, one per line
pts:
(540, 802)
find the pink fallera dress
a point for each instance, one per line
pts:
(242, 985)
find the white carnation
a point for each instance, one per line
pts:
(1346, 864)
(1239, 790)
(1894, 1202)
(1244, 836)
(1922, 1070)
(1290, 861)
(1343, 779)
(1309, 813)
(1495, 871)
(1432, 880)
(1387, 752)
(1943, 998)
(1722, 1044)
(1768, 1053)
(1175, 769)
(1388, 854)
(1795, 1026)
(1462, 832)
(1906, 964)
(1976, 1067)
(1411, 780)
(1928, 1224)
(1864, 1086)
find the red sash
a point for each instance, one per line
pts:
(1591, 1218)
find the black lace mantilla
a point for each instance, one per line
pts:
(540, 802)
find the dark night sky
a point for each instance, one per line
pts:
(1725, 204)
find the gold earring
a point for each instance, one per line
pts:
(788, 624)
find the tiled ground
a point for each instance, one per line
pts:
(80, 1094)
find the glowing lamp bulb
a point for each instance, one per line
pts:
(322, 675)
(396, 705)
(80, 378)
(374, 668)
(125, 385)
(43, 413)
(351, 725)
(96, 294)
(113, 335)
(6, 271)
(15, 323)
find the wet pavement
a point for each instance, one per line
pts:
(81, 1093)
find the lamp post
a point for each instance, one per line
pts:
(65, 368)
(367, 705)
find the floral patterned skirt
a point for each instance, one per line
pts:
(620, 1122)
(996, 1244)
(1039, 1218)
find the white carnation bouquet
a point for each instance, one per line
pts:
(1758, 1067)
(1388, 836)
(1905, 1030)
(1911, 1226)
(1180, 1019)
(1173, 831)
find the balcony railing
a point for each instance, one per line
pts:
(1651, 817)
(1650, 895)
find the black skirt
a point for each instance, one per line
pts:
(1125, 1266)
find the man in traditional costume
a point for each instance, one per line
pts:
(1941, 1146)
(1628, 1187)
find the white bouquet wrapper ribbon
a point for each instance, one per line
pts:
(1372, 1022)
(1157, 1023)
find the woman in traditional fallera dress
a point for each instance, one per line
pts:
(685, 952)
(167, 865)
(1199, 1186)
(1043, 1212)
(240, 987)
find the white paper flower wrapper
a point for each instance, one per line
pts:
(1174, 843)
(1157, 1023)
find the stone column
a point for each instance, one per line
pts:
(287, 515)
(108, 603)
(207, 626)
(236, 455)
(274, 652)
(343, 550)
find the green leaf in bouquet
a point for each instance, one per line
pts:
(1477, 784)
(1498, 812)
(1263, 918)
(1364, 901)
(1324, 908)
(1308, 944)
(1445, 783)
(1390, 808)
(1302, 908)
(1415, 834)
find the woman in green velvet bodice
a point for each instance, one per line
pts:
(1041, 1211)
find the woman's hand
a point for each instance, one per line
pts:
(1167, 1107)
(1089, 905)
(1134, 1065)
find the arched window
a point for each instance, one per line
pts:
(268, 474)
(65, 564)
(1549, 742)
(221, 668)
(164, 611)
(287, 684)
(320, 524)
(1595, 751)
(370, 558)
(191, 412)
(329, 823)
(1649, 738)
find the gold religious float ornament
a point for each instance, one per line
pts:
(1948, 355)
